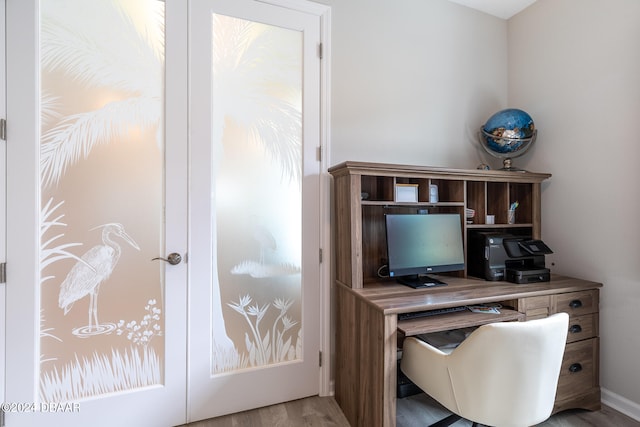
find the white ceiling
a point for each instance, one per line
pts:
(504, 9)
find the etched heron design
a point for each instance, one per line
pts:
(265, 239)
(97, 265)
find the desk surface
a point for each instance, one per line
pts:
(392, 298)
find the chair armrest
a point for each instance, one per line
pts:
(427, 367)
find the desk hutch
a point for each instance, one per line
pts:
(368, 332)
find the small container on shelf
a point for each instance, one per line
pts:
(433, 193)
(469, 215)
(511, 213)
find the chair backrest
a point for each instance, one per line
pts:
(503, 374)
(506, 373)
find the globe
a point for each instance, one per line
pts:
(507, 134)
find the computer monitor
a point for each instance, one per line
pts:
(419, 244)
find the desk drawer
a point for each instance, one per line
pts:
(583, 327)
(533, 307)
(579, 371)
(575, 303)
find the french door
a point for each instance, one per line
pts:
(255, 190)
(163, 207)
(95, 328)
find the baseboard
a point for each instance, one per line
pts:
(328, 389)
(620, 404)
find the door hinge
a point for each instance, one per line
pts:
(320, 358)
(3, 272)
(1, 417)
(320, 255)
(319, 154)
(3, 129)
(320, 53)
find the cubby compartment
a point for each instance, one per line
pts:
(413, 189)
(374, 241)
(377, 188)
(476, 200)
(449, 191)
(498, 201)
(521, 194)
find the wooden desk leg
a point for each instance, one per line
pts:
(348, 365)
(378, 367)
(366, 362)
(390, 369)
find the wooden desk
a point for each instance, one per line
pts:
(367, 337)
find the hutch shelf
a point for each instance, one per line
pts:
(364, 192)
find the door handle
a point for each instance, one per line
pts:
(173, 258)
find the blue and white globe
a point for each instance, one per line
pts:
(507, 134)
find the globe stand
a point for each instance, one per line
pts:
(506, 148)
(506, 166)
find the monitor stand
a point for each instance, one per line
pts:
(420, 281)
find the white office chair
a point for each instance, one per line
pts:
(503, 374)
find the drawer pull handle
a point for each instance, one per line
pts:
(576, 367)
(576, 303)
(575, 329)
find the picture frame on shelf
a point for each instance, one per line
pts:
(406, 193)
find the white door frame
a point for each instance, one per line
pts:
(22, 112)
(3, 193)
(326, 271)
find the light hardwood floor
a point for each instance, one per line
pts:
(413, 411)
(310, 412)
(421, 410)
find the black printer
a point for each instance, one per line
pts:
(500, 256)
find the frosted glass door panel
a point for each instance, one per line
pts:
(102, 162)
(257, 163)
(254, 86)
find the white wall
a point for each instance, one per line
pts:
(413, 80)
(575, 65)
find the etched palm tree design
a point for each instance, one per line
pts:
(86, 277)
(250, 96)
(114, 53)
